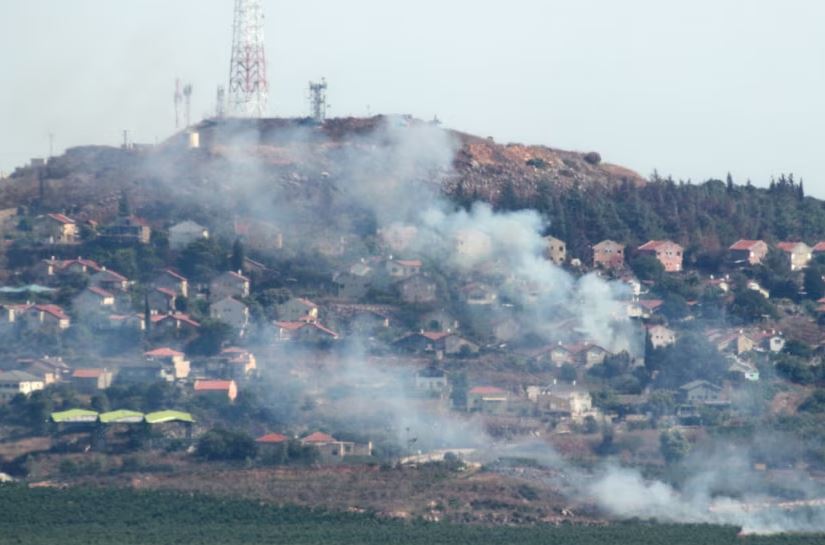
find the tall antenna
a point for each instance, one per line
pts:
(178, 102)
(187, 95)
(318, 100)
(220, 105)
(248, 86)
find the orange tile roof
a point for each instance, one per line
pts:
(488, 390)
(272, 438)
(318, 437)
(213, 385)
(164, 352)
(744, 244)
(88, 373)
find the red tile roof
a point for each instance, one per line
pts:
(53, 310)
(651, 304)
(788, 246)
(164, 352)
(213, 385)
(62, 219)
(487, 390)
(88, 373)
(744, 244)
(174, 275)
(409, 262)
(234, 350)
(819, 247)
(655, 244)
(318, 437)
(167, 292)
(272, 438)
(100, 291)
(114, 275)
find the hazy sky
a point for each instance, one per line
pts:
(692, 88)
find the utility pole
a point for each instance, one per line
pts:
(248, 84)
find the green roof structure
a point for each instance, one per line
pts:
(162, 417)
(74, 416)
(121, 417)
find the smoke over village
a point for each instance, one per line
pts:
(350, 327)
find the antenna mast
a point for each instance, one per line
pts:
(187, 95)
(318, 100)
(178, 102)
(220, 106)
(248, 86)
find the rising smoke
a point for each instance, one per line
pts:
(393, 174)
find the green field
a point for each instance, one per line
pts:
(123, 517)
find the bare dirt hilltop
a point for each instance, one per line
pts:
(293, 154)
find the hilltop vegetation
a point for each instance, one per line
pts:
(705, 218)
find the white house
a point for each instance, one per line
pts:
(13, 383)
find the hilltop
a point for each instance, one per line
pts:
(294, 155)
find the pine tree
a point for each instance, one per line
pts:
(236, 262)
(124, 208)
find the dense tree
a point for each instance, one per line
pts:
(673, 445)
(212, 335)
(222, 444)
(813, 283)
(751, 307)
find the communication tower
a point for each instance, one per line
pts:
(318, 100)
(248, 86)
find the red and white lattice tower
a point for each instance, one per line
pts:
(248, 86)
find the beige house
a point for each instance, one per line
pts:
(751, 252)
(171, 280)
(488, 399)
(109, 281)
(668, 253)
(228, 284)
(93, 302)
(175, 362)
(563, 399)
(217, 389)
(333, 451)
(241, 363)
(89, 381)
(403, 268)
(608, 254)
(660, 336)
(556, 250)
(297, 309)
(303, 331)
(161, 300)
(13, 383)
(56, 229)
(45, 318)
(231, 311)
(128, 230)
(798, 254)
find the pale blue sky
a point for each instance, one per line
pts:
(693, 89)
